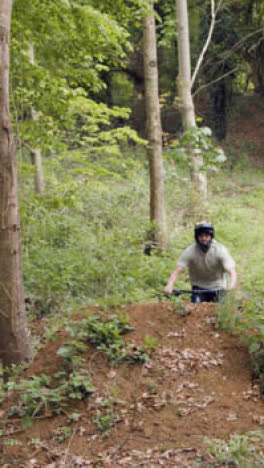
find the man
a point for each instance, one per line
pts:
(207, 262)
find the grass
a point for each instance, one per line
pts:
(239, 450)
(83, 242)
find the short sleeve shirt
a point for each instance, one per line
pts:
(207, 269)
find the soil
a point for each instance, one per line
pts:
(196, 384)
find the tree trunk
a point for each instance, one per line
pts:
(39, 178)
(185, 95)
(14, 334)
(154, 132)
(36, 152)
(255, 61)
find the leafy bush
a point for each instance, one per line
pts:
(106, 335)
(79, 247)
(37, 396)
(241, 450)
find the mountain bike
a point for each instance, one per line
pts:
(201, 295)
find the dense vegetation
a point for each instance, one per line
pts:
(84, 240)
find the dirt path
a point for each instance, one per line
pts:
(197, 384)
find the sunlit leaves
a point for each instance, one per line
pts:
(74, 44)
(198, 140)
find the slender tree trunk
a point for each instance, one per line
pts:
(39, 178)
(154, 132)
(36, 152)
(14, 334)
(185, 95)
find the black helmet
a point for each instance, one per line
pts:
(206, 228)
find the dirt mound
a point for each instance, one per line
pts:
(196, 384)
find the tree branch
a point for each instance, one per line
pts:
(226, 55)
(240, 43)
(215, 81)
(214, 12)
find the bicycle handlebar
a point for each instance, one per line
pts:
(178, 292)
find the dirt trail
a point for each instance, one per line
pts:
(197, 384)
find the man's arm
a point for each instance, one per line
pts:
(229, 267)
(173, 277)
(233, 277)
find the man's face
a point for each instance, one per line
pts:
(204, 238)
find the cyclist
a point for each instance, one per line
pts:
(209, 264)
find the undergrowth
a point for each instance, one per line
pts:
(106, 335)
(244, 317)
(240, 450)
(43, 395)
(83, 240)
(83, 244)
(37, 396)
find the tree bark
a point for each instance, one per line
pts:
(36, 152)
(14, 334)
(154, 132)
(185, 84)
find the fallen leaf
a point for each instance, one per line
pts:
(232, 417)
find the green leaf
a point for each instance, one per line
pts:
(26, 422)
(65, 351)
(254, 347)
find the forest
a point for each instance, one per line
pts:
(122, 125)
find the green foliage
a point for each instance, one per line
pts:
(79, 385)
(245, 318)
(242, 450)
(198, 140)
(252, 322)
(61, 53)
(78, 245)
(106, 414)
(83, 241)
(106, 335)
(62, 433)
(122, 90)
(166, 31)
(150, 342)
(228, 313)
(104, 420)
(250, 327)
(38, 396)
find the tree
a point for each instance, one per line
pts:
(14, 333)
(185, 92)
(36, 152)
(75, 45)
(249, 17)
(154, 133)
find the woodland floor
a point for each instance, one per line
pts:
(197, 384)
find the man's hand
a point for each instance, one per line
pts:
(173, 277)
(168, 289)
